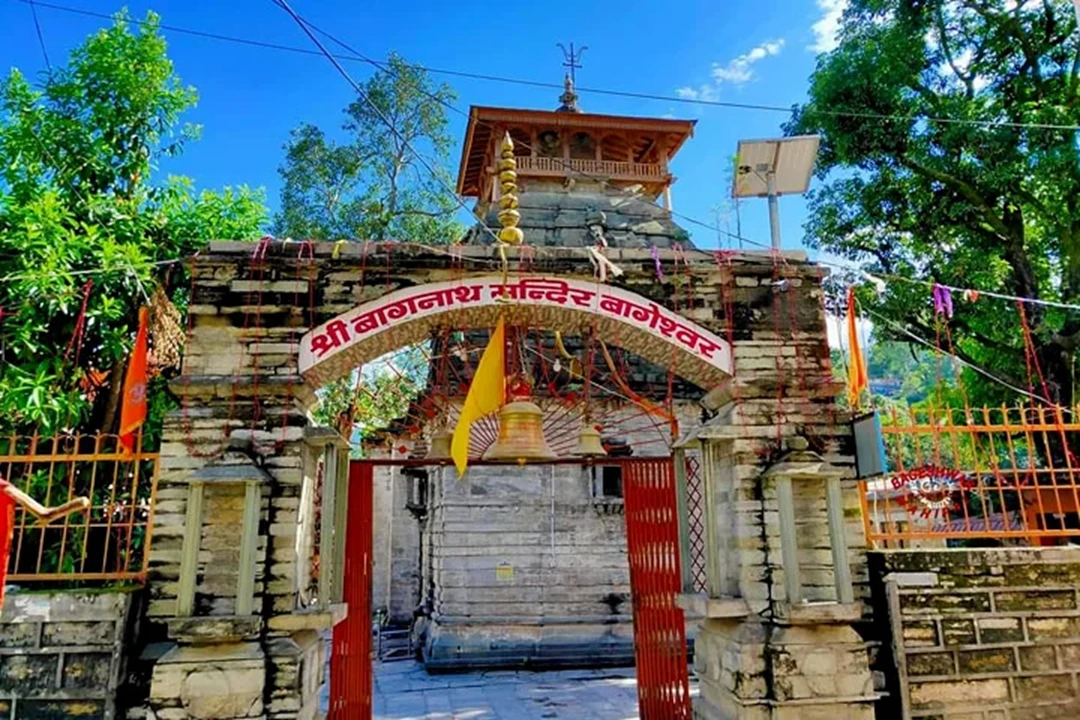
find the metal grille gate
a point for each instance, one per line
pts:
(652, 537)
(350, 661)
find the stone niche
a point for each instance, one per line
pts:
(62, 654)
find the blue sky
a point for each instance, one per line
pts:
(249, 98)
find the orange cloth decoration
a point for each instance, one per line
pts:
(133, 410)
(857, 377)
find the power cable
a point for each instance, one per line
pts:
(284, 5)
(985, 373)
(383, 67)
(593, 90)
(40, 37)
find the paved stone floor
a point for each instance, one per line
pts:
(404, 691)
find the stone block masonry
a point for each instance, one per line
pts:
(233, 465)
(983, 634)
(62, 654)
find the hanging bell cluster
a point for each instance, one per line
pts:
(589, 444)
(521, 434)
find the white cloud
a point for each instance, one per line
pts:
(738, 71)
(705, 92)
(827, 28)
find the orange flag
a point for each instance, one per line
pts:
(133, 410)
(857, 379)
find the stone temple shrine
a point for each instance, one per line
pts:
(518, 566)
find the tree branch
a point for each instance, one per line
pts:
(967, 190)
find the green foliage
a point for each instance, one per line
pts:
(373, 186)
(77, 204)
(385, 394)
(993, 206)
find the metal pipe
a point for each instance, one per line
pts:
(774, 208)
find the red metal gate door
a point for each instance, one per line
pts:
(652, 536)
(350, 660)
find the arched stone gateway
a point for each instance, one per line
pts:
(410, 315)
(231, 576)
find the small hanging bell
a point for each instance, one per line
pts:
(440, 445)
(588, 444)
(521, 434)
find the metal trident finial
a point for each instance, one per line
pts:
(572, 59)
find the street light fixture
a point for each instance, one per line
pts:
(771, 168)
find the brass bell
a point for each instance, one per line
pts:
(588, 444)
(440, 445)
(521, 434)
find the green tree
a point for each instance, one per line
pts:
(77, 203)
(941, 162)
(376, 184)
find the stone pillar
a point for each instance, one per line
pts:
(230, 575)
(778, 638)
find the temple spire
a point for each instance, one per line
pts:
(569, 97)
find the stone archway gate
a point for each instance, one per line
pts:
(238, 524)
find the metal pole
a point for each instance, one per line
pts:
(774, 209)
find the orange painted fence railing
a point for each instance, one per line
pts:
(110, 542)
(998, 475)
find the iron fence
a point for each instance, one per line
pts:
(111, 541)
(976, 476)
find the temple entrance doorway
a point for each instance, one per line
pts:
(560, 544)
(649, 489)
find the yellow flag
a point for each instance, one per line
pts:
(486, 395)
(857, 379)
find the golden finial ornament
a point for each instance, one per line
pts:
(509, 217)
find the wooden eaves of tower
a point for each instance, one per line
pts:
(573, 146)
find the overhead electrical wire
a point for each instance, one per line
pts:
(985, 373)
(334, 59)
(584, 89)
(40, 36)
(284, 5)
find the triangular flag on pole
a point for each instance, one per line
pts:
(486, 395)
(133, 410)
(857, 378)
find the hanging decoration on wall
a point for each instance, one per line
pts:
(166, 330)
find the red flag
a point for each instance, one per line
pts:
(133, 410)
(7, 530)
